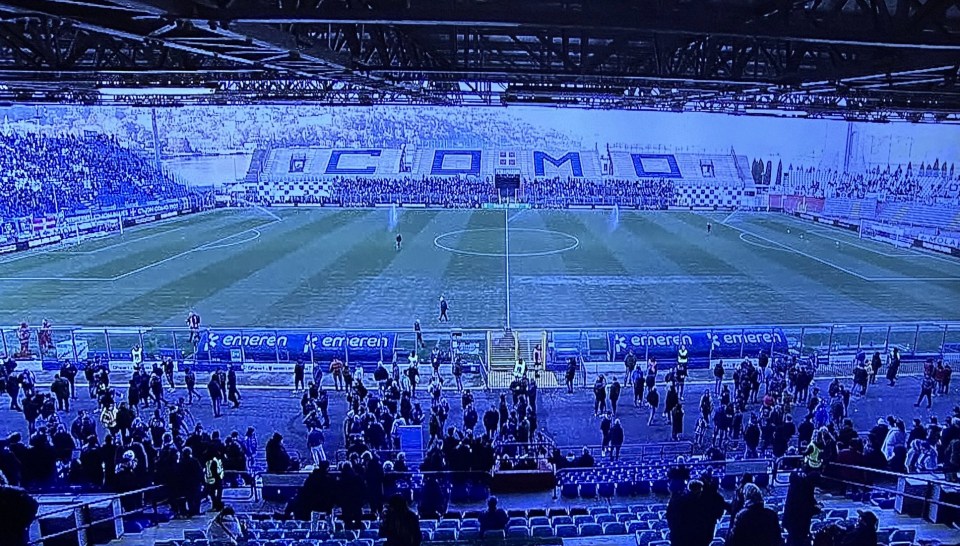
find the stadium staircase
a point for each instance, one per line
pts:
(503, 349)
(256, 165)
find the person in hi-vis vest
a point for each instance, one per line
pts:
(682, 355)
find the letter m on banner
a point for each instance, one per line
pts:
(540, 158)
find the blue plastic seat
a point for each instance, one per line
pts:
(588, 490)
(626, 489)
(603, 519)
(567, 531)
(471, 523)
(494, 535)
(903, 535)
(445, 533)
(569, 490)
(538, 521)
(369, 534)
(448, 524)
(597, 510)
(469, 533)
(518, 532)
(606, 490)
(646, 537)
(429, 524)
(614, 529)
(582, 520)
(626, 518)
(590, 530)
(562, 520)
(541, 531)
(636, 526)
(517, 522)
(296, 534)
(426, 535)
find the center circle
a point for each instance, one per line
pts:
(524, 242)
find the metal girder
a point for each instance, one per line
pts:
(443, 52)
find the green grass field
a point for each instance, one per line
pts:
(338, 268)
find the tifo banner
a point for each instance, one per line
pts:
(274, 345)
(701, 345)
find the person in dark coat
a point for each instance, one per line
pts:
(494, 518)
(350, 496)
(690, 519)
(189, 484)
(315, 495)
(799, 508)
(864, 533)
(755, 525)
(676, 421)
(278, 460)
(19, 511)
(894, 368)
(401, 526)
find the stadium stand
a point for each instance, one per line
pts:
(47, 175)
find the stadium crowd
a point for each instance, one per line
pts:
(42, 174)
(458, 191)
(561, 192)
(143, 436)
(934, 183)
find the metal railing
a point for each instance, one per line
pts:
(147, 497)
(831, 347)
(921, 488)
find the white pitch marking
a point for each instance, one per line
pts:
(758, 245)
(436, 241)
(804, 254)
(184, 253)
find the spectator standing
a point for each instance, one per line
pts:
(629, 364)
(600, 396)
(298, 374)
(61, 390)
(676, 422)
(718, 373)
(616, 440)
(876, 362)
(190, 380)
(233, 393)
(570, 374)
(215, 390)
(614, 394)
(653, 399)
(401, 526)
(68, 371)
(799, 508)
(926, 390)
(755, 525)
(336, 370)
(19, 511)
(893, 368)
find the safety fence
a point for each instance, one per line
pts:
(831, 348)
(98, 520)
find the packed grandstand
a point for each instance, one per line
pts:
(766, 449)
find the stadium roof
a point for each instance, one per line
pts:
(860, 59)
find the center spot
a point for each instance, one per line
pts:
(524, 242)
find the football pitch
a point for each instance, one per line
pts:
(338, 268)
